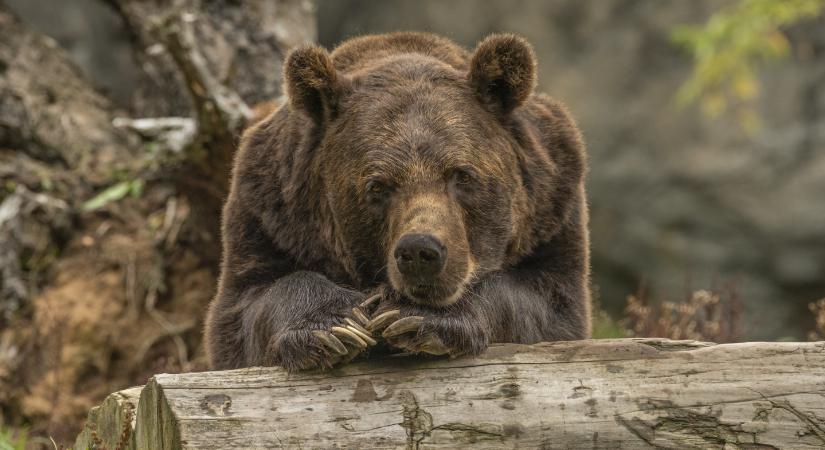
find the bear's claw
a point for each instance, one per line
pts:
(369, 301)
(382, 320)
(341, 343)
(406, 333)
(403, 325)
(358, 314)
(365, 335)
(349, 336)
(331, 342)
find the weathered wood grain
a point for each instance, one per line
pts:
(112, 424)
(597, 394)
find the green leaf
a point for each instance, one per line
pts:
(8, 441)
(110, 194)
(729, 48)
(136, 188)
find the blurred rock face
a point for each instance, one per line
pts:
(677, 200)
(92, 33)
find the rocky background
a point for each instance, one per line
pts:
(108, 248)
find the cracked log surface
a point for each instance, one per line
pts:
(603, 394)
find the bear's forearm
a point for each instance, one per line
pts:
(532, 307)
(545, 296)
(242, 325)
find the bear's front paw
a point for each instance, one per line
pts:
(323, 345)
(418, 330)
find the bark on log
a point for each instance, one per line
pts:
(112, 424)
(605, 394)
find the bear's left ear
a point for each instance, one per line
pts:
(312, 83)
(503, 72)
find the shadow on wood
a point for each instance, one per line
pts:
(625, 393)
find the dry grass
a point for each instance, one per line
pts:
(713, 315)
(818, 310)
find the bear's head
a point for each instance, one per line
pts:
(421, 171)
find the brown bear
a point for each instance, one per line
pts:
(410, 194)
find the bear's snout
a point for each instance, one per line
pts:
(429, 262)
(420, 256)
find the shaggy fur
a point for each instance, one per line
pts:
(390, 135)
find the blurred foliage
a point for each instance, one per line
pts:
(114, 193)
(11, 440)
(818, 309)
(604, 326)
(712, 315)
(728, 49)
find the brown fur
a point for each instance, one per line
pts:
(396, 134)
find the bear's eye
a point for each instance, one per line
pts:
(377, 189)
(462, 177)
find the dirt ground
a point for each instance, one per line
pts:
(122, 303)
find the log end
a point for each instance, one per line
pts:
(157, 426)
(111, 424)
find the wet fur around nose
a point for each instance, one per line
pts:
(367, 149)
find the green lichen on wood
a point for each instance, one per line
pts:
(109, 426)
(157, 426)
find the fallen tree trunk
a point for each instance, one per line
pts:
(626, 393)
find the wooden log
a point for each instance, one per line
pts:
(596, 394)
(112, 424)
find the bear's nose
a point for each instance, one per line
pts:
(420, 255)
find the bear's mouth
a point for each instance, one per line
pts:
(422, 291)
(433, 295)
(434, 292)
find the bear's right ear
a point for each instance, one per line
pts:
(312, 83)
